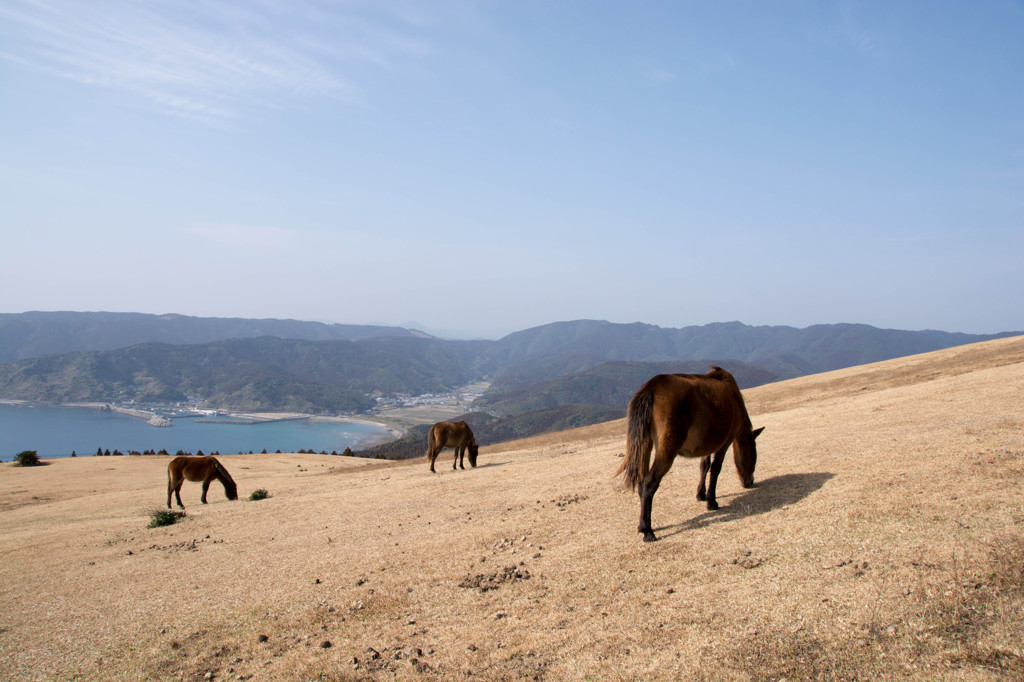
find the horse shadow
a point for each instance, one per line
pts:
(770, 494)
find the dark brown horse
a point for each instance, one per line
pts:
(203, 469)
(692, 415)
(456, 435)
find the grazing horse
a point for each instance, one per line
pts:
(693, 415)
(203, 469)
(456, 435)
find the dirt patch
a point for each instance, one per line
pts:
(492, 581)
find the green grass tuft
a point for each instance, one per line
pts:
(164, 517)
(259, 494)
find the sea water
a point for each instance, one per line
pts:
(59, 431)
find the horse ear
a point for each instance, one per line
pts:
(757, 433)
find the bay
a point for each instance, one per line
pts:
(59, 431)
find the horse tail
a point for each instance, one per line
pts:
(639, 441)
(431, 441)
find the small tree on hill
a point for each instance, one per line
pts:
(27, 458)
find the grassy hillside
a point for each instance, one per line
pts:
(883, 541)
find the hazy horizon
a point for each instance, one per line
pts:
(455, 335)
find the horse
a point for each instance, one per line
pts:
(693, 415)
(456, 435)
(203, 469)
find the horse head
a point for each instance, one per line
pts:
(230, 489)
(744, 452)
(473, 450)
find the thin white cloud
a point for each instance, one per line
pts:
(205, 60)
(855, 34)
(845, 30)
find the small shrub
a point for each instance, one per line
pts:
(28, 458)
(164, 517)
(260, 494)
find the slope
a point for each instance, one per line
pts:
(883, 541)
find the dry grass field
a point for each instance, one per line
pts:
(884, 540)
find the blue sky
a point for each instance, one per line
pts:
(478, 168)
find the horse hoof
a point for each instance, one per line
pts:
(712, 506)
(702, 496)
(649, 537)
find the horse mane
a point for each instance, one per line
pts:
(725, 375)
(719, 373)
(225, 476)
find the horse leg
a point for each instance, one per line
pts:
(206, 486)
(170, 489)
(662, 463)
(716, 468)
(702, 493)
(177, 494)
(432, 453)
(460, 454)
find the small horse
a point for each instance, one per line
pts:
(203, 469)
(456, 435)
(693, 415)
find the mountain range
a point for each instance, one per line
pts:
(545, 376)
(27, 335)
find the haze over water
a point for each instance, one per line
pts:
(59, 431)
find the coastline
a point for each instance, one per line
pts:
(155, 418)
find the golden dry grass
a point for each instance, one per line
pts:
(883, 541)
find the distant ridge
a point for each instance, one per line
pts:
(32, 334)
(544, 353)
(279, 364)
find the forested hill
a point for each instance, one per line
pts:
(245, 374)
(27, 335)
(585, 362)
(535, 354)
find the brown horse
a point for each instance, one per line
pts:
(456, 435)
(693, 415)
(203, 469)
